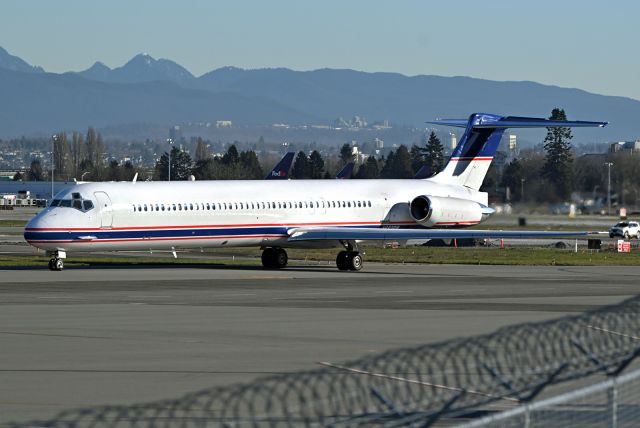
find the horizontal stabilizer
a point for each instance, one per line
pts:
(385, 234)
(497, 122)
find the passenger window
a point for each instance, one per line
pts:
(179, 207)
(134, 208)
(369, 202)
(157, 207)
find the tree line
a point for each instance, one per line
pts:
(235, 165)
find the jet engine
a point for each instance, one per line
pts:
(437, 211)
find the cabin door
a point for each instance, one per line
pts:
(106, 210)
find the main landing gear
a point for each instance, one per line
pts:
(350, 259)
(56, 263)
(274, 258)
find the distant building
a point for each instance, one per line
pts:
(454, 140)
(625, 146)
(175, 133)
(223, 124)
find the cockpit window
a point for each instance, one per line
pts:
(77, 202)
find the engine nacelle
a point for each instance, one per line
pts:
(437, 211)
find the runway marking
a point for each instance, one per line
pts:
(60, 297)
(316, 293)
(237, 294)
(148, 297)
(394, 291)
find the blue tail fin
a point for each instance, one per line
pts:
(472, 156)
(423, 172)
(346, 171)
(281, 170)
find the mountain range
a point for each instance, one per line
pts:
(161, 93)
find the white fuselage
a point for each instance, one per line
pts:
(198, 214)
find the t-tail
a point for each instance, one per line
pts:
(281, 170)
(472, 156)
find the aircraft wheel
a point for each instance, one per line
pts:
(355, 261)
(280, 258)
(56, 264)
(268, 258)
(342, 260)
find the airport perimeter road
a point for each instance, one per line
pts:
(88, 336)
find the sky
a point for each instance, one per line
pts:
(591, 45)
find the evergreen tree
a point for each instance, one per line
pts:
(250, 168)
(35, 172)
(231, 157)
(512, 179)
(127, 171)
(558, 159)
(205, 169)
(301, 168)
(202, 151)
(433, 153)
(417, 157)
(369, 169)
(113, 171)
(387, 169)
(346, 153)
(181, 165)
(316, 165)
(398, 164)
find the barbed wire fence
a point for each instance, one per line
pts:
(415, 386)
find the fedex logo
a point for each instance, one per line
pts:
(279, 173)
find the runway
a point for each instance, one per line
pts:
(88, 336)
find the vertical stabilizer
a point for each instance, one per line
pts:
(472, 157)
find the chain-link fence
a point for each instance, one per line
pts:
(417, 385)
(614, 403)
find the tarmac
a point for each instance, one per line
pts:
(122, 335)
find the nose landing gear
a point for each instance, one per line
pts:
(56, 263)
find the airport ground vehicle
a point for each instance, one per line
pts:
(626, 230)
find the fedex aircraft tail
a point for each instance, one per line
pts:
(472, 156)
(281, 170)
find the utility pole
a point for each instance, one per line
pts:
(608, 164)
(170, 141)
(54, 138)
(522, 180)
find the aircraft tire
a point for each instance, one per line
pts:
(280, 258)
(58, 264)
(51, 262)
(268, 258)
(342, 260)
(355, 261)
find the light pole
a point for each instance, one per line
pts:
(609, 165)
(54, 138)
(170, 141)
(522, 180)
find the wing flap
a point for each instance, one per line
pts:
(384, 234)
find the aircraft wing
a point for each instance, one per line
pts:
(387, 234)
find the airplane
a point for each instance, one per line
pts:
(345, 172)
(423, 172)
(281, 170)
(279, 214)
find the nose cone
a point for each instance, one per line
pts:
(36, 226)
